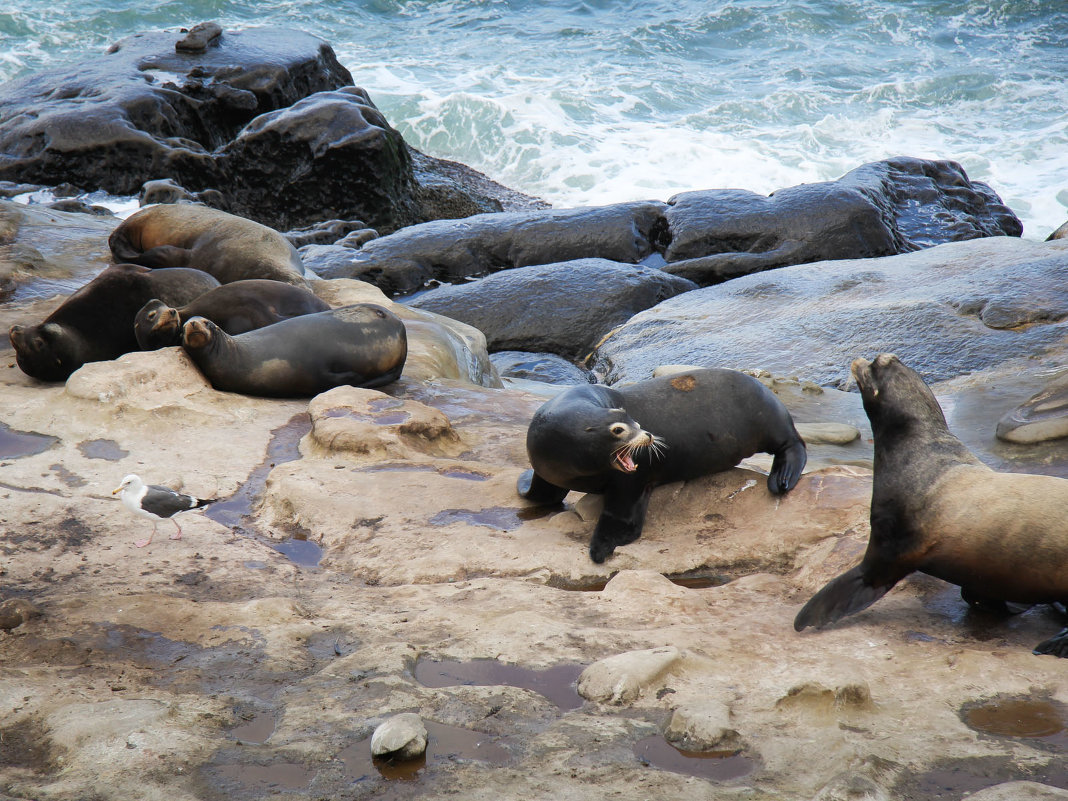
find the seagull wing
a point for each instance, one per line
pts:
(166, 502)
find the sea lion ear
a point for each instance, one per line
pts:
(51, 330)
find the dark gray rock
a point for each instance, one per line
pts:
(327, 232)
(945, 311)
(452, 250)
(879, 209)
(563, 308)
(547, 368)
(265, 117)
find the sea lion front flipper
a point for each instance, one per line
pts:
(849, 593)
(786, 467)
(163, 256)
(621, 521)
(1057, 645)
(535, 488)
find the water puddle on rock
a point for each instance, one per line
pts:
(501, 518)
(16, 444)
(700, 579)
(236, 514)
(102, 449)
(556, 683)
(264, 779)
(1027, 717)
(256, 729)
(444, 744)
(718, 766)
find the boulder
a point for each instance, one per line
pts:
(402, 737)
(1042, 417)
(545, 368)
(563, 308)
(622, 678)
(878, 209)
(946, 311)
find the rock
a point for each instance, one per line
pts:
(1042, 418)
(547, 368)
(563, 308)
(1020, 791)
(263, 122)
(1060, 233)
(948, 310)
(827, 433)
(324, 233)
(701, 726)
(879, 209)
(369, 424)
(622, 678)
(455, 250)
(852, 787)
(143, 110)
(16, 611)
(401, 737)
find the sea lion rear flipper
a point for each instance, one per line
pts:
(1057, 645)
(845, 595)
(621, 521)
(535, 488)
(786, 468)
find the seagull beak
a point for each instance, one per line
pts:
(116, 491)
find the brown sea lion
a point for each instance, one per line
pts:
(588, 438)
(96, 322)
(236, 308)
(362, 345)
(229, 247)
(937, 509)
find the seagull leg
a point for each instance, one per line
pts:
(178, 534)
(143, 543)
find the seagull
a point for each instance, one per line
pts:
(156, 503)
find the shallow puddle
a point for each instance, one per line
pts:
(719, 766)
(256, 730)
(1027, 716)
(556, 683)
(102, 449)
(268, 778)
(16, 444)
(236, 512)
(444, 744)
(501, 518)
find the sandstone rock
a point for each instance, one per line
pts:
(851, 787)
(622, 678)
(1043, 417)
(827, 433)
(363, 423)
(703, 726)
(402, 736)
(563, 308)
(878, 209)
(948, 310)
(1020, 791)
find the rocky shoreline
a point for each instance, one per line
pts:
(373, 540)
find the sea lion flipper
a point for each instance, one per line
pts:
(1057, 645)
(163, 256)
(535, 488)
(786, 468)
(621, 521)
(849, 593)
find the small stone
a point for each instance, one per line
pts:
(701, 726)
(1043, 417)
(198, 38)
(16, 611)
(401, 737)
(827, 433)
(622, 678)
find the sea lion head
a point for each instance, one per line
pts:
(47, 351)
(156, 326)
(199, 333)
(894, 394)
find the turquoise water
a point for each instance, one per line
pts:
(599, 102)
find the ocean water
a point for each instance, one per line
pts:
(592, 102)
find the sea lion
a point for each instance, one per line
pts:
(362, 345)
(229, 247)
(588, 438)
(96, 322)
(937, 509)
(236, 308)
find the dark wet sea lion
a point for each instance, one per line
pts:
(96, 322)
(229, 247)
(935, 508)
(236, 308)
(588, 438)
(362, 345)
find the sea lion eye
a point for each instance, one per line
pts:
(618, 430)
(152, 315)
